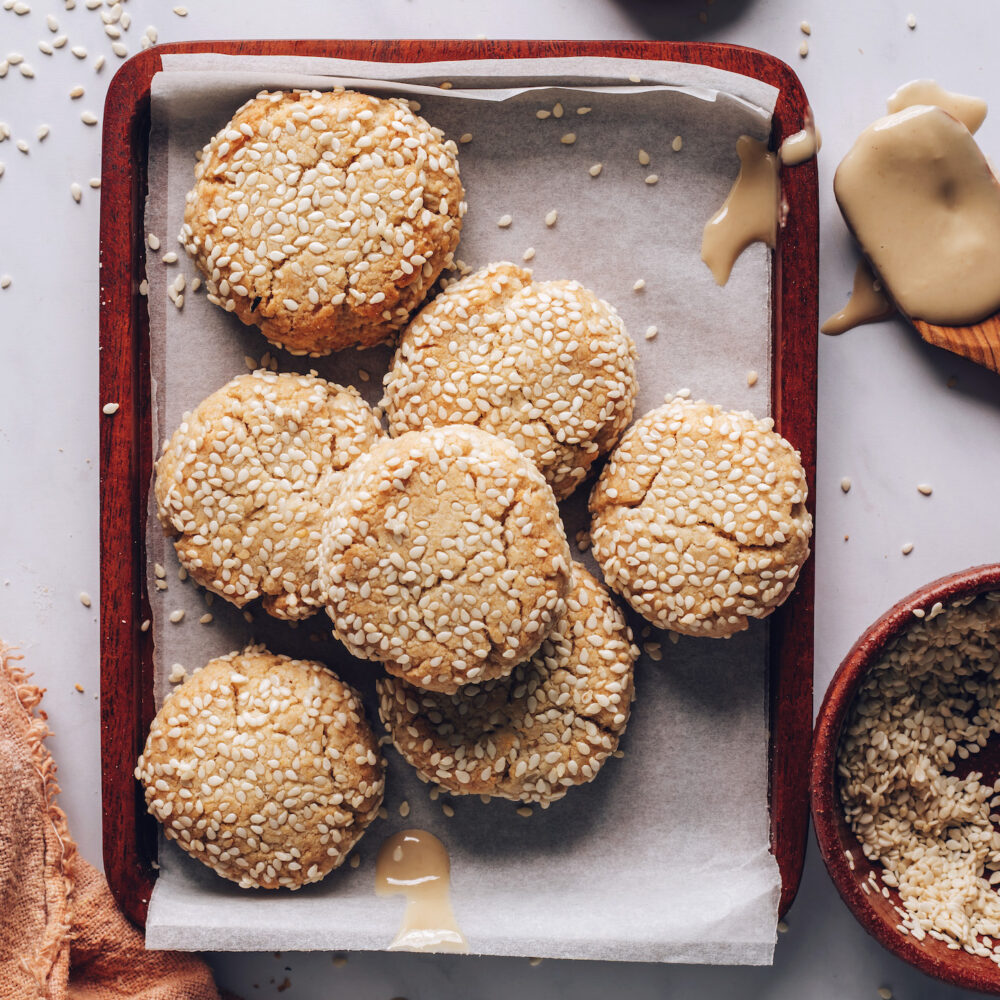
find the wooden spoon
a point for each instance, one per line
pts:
(979, 343)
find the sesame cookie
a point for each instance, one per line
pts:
(443, 556)
(264, 768)
(244, 482)
(699, 518)
(534, 734)
(324, 218)
(547, 365)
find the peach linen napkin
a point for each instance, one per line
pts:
(61, 934)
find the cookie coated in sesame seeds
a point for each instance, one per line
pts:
(324, 218)
(244, 482)
(535, 734)
(264, 768)
(699, 518)
(547, 365)
(444, 557)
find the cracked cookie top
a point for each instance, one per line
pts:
(324, 217)
(699, 518)
(534, 734)
(444, 557)
(244, 482)
(264, 768)
(547, 365)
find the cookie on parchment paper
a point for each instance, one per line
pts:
(700, 520)
(243, 484)
(533, 735)
(547, 365)
(444, 557)
(264, 768)
(324, 218)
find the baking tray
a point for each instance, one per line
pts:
(126, 459)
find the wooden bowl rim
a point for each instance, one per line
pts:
(826, 810)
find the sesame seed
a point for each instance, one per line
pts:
(177, 674)
(534, 962)
(42, 132)
(110, 409)
(635, 78)
(528, 254)
(806, 28)
(144, 287)
(340, 960)
(88, 118)
(447, 809)
(94, 182)
(85, 598)
(52, 23)
(557, 110)
(568, 139)
(144, 627)
(677, 144)
(543, 113)
(120, 49)
(27, 70)
(504, 221)
(4, 67)
(76, 191)
(907, 548)
(911, 21)
(639, 285)
(845, 484)
(925, 489)
(79, 51)
(652, 178)
(465, 137)
(205, 619)
(551, 218)
(595, 170)
(5, 281)
(782, 927)
(804, 49)
(445, 85)
(45, 48)
(404, 809)
(21, 8)
(169, 258)
(2, 168)
(76, 92)
(59, 41)
(23, 146)
(355, 861)
(584, 110)
(884, 993)
(651, 332)
(525, 811)
(15, 58)
(177, 616)
(643, 158)
(78, 687)
(99, 64)
(181, 11)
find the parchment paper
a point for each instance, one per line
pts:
(664, 857)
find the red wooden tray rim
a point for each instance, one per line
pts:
(126, 450)
(833, 835)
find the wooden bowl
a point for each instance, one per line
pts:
(873, 910)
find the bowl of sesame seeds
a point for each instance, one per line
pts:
(906, 779)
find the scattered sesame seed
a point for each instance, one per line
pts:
(23, 146)
(639, 285)
(651, 332)
(110, 409)
(88, 118)
(27, 70)
(595, 170)
(159, 570)
(76, 191)
(2, 168)
(804, 49)
(448, 809)
(504, 221)
(643, 158)
(525, 811)
(568, 139)
(907, 548)
(177, 674)
(205, 619)
(177, 616)
(557, 110)
(926, 489)
(884, 993)
(144, 627)
(85, 598)
(528, 254)
(340, 960)
(21, 8)
(355, 862)
(534, 961)
(5, 281)
(94, 182)
(551, 218)
(79, 51)
(15, 58)
(635, 78)
(584, 110)
(845, 484)
(99, 63)
(445, 85)
(806, 28)
(751, 378)
(782, 927)
(42, 132)
(911, 21)
(404, 809)
(181, 11)
(53, 24)
(543, 113)
(59, 41)
(153, 241)
(169, 258)
(120, 49)
(4, 66)
(78, 687)
(76, 92)
(652, 179)
(677, 144)
(112, 31)
(465, 137)
(45, 48)
(144, 287)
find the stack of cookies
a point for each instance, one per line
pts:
(437, 550)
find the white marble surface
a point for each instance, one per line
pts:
(887, 418)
